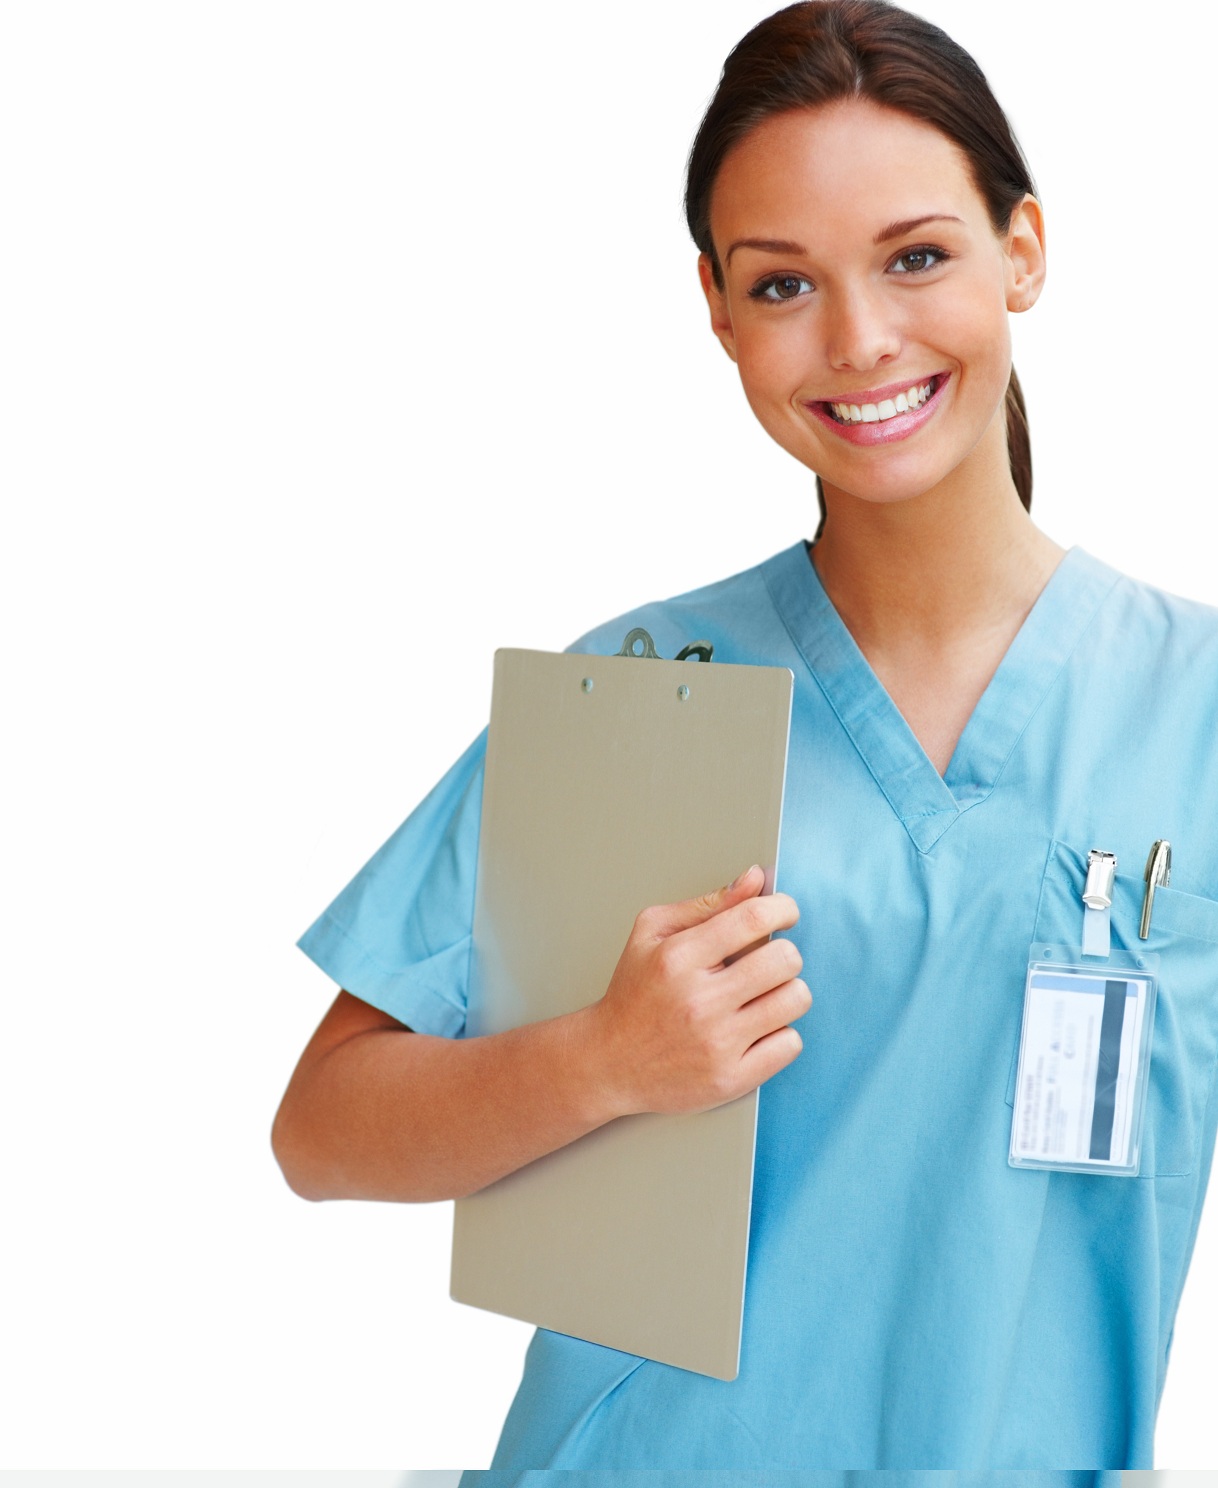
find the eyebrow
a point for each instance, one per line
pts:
(893, 230)
(911, 224)
(766, 245)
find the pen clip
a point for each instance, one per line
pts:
(1157, 876)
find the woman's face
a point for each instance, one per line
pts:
(866, 296)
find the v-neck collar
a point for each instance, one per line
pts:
(926, 802)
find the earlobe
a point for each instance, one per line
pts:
(1025, 255)
(721, 321)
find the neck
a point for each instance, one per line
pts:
(930, 571)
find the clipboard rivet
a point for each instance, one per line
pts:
(683, 692)
(586, 684)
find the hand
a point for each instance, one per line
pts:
(698, 1009)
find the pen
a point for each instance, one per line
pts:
(1157, 875)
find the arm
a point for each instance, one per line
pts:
(376, 1111)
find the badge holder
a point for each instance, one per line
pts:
(1084, 1047)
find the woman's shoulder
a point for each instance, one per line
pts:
(735, 614)
(1144, 651)
(1139, 606)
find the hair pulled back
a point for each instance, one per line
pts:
(820, 51)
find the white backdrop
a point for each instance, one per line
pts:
(342, 344)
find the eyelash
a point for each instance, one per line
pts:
(758, 291)
(940, 253)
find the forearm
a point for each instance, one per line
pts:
(396, 1115)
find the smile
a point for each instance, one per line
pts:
(882, 415)
(877, 413)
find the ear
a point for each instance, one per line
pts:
(1025, 252)
(721, 321)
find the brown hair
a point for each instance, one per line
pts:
(820, 51)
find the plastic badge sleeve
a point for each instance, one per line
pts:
(1084, 1061)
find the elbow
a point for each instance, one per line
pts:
(295, 1169)
(316, 1172)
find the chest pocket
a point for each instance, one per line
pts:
(1184, 1051)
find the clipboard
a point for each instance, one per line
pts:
(613, 783)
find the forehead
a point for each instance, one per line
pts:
(830, 174)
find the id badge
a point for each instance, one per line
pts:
(1084, 1059)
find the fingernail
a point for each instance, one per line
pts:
(740, 878)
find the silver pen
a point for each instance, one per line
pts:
(1157, 875)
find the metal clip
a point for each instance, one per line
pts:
(1097, 901)
(638, 643)
(1101, 875)
(1157, 876)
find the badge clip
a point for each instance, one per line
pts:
(1097, 902)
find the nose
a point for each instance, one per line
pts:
(860, 331)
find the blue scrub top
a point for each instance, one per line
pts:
(912, 1302)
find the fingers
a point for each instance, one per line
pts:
(768, 965)
(773, 1010)
(769, 1055)
(662, 920)
(765, 1040)
(739, 926)
(699, 1006)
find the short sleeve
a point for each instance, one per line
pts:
(399, 935)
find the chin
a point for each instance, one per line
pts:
(891, 491)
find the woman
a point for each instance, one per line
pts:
(974, 711)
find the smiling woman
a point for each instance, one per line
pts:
(866, 226)
(913, 71)
(842, 290)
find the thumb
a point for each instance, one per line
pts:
(668, 919)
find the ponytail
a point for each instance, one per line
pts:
(1019, 446)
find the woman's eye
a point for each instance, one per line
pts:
(779, 287)
(918, 260)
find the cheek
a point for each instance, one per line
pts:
(772, 359)
(975, 328)
(773, 364)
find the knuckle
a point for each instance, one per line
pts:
(688, 1017)
(647, 920)
(670, 960)
(711, 1048)
(722, 1083)
(754, 918)
(796, 1002)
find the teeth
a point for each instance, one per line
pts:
(871, 413)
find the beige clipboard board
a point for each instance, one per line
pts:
(613, 783)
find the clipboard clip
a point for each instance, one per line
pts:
(638, 643)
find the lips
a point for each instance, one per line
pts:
(876, 409)
(882, 415)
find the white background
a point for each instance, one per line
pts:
(343, 343)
